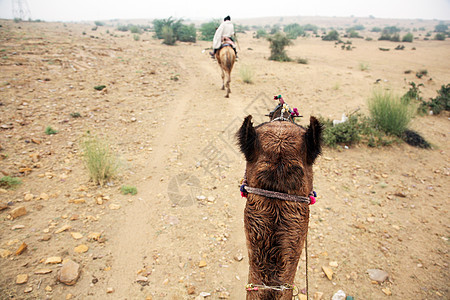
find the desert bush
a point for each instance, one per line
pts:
(122, 28)
(8, 182)
(408, 38)
(440, 102)
(441, 27)
(278, 42)
(246, 74)
(49, 130)
(440, 36)
(413, 93)
(160, 24)
(260, 33)
(333, 35)
(99, 87)
(99, 23)
(364, 66)
(354, 34)
(293, 31)
(99, 159)
(168, 36)
(389, 113)
(75, 115)
(187, 33)
(207, 30)
(275, 28)
(344, 133)
(126, 189)
(303, 61)
(376, 29)
(136, 37)
(134, 29)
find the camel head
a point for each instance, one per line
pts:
(280, 153)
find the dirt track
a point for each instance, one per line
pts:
(164, 114)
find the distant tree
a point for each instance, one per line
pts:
(208, 30)
(408, 38)
(187, 33)
(168, 35)
(441, 27)
(278, 42)
(260, 33)
(293, 31)
(333, 35)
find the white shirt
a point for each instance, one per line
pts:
(226, 29)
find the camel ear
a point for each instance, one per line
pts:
(313, 139)
(247, 139)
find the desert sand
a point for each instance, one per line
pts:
(164, 115)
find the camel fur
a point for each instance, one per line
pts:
(280, 156)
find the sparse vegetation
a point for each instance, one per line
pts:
(389, 113)
(8, 182)
(127, 189)
(99, 87)
(136, 37)
(440, 102)
(99, 23)
(207, 30)
(303, 61)
(246, 74)
(75, 115)
(278, 42)
(333, 35)
(49, 130)
(408, 38)
(261, 33)
(364, 66)
(440, 36)
(101, 163)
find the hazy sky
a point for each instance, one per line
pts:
(84, 10)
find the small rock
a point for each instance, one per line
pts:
(44, 196)
(387, 291)
(94, 236)
(4, 253)
(53, 260)
(43, 271)
(114, 206)
(45, 237)
(28, 197)
(69, 296)
(377, 275)
(69, 273)
(328, 271)
(142, 280)
(81, 248)
(238, 257)
(48, 288)
(202, 264)
(18, 212)
(22, 248)
(28, 290)
(318, 296)
(224, 295)
(205, 294)
(21, 278)
(76, 235)
(333, 264)
(340, 295)
(201, 197)
(15, 227)
(78, 201)
(191, 290)
(110, 290)
(64, 228)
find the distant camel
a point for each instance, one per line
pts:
(278, 184)
(226, 58)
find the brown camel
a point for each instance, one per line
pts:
(226, 57)
(279, 156)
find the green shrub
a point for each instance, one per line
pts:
(101, 163)
(99, 87)
(125, 189)
(246, 74)
(440, 37)
(344, 133)
(187, 33)
(389, 113)
(293, 31)
(136, 37)
(208, 30)
(440, 103)
(99, 23)
(122, 28)
(134, 29)
(261, 33)
(8, 182)
(303, 61)
(363, 66)
(49, 130)
(168, 35)
(278, 42)
(408, 38)
(333, 35)
(412, 93)
(441, 27)
(75, 115)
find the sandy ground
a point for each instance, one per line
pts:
(165, 116)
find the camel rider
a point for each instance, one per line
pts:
(224, 32)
